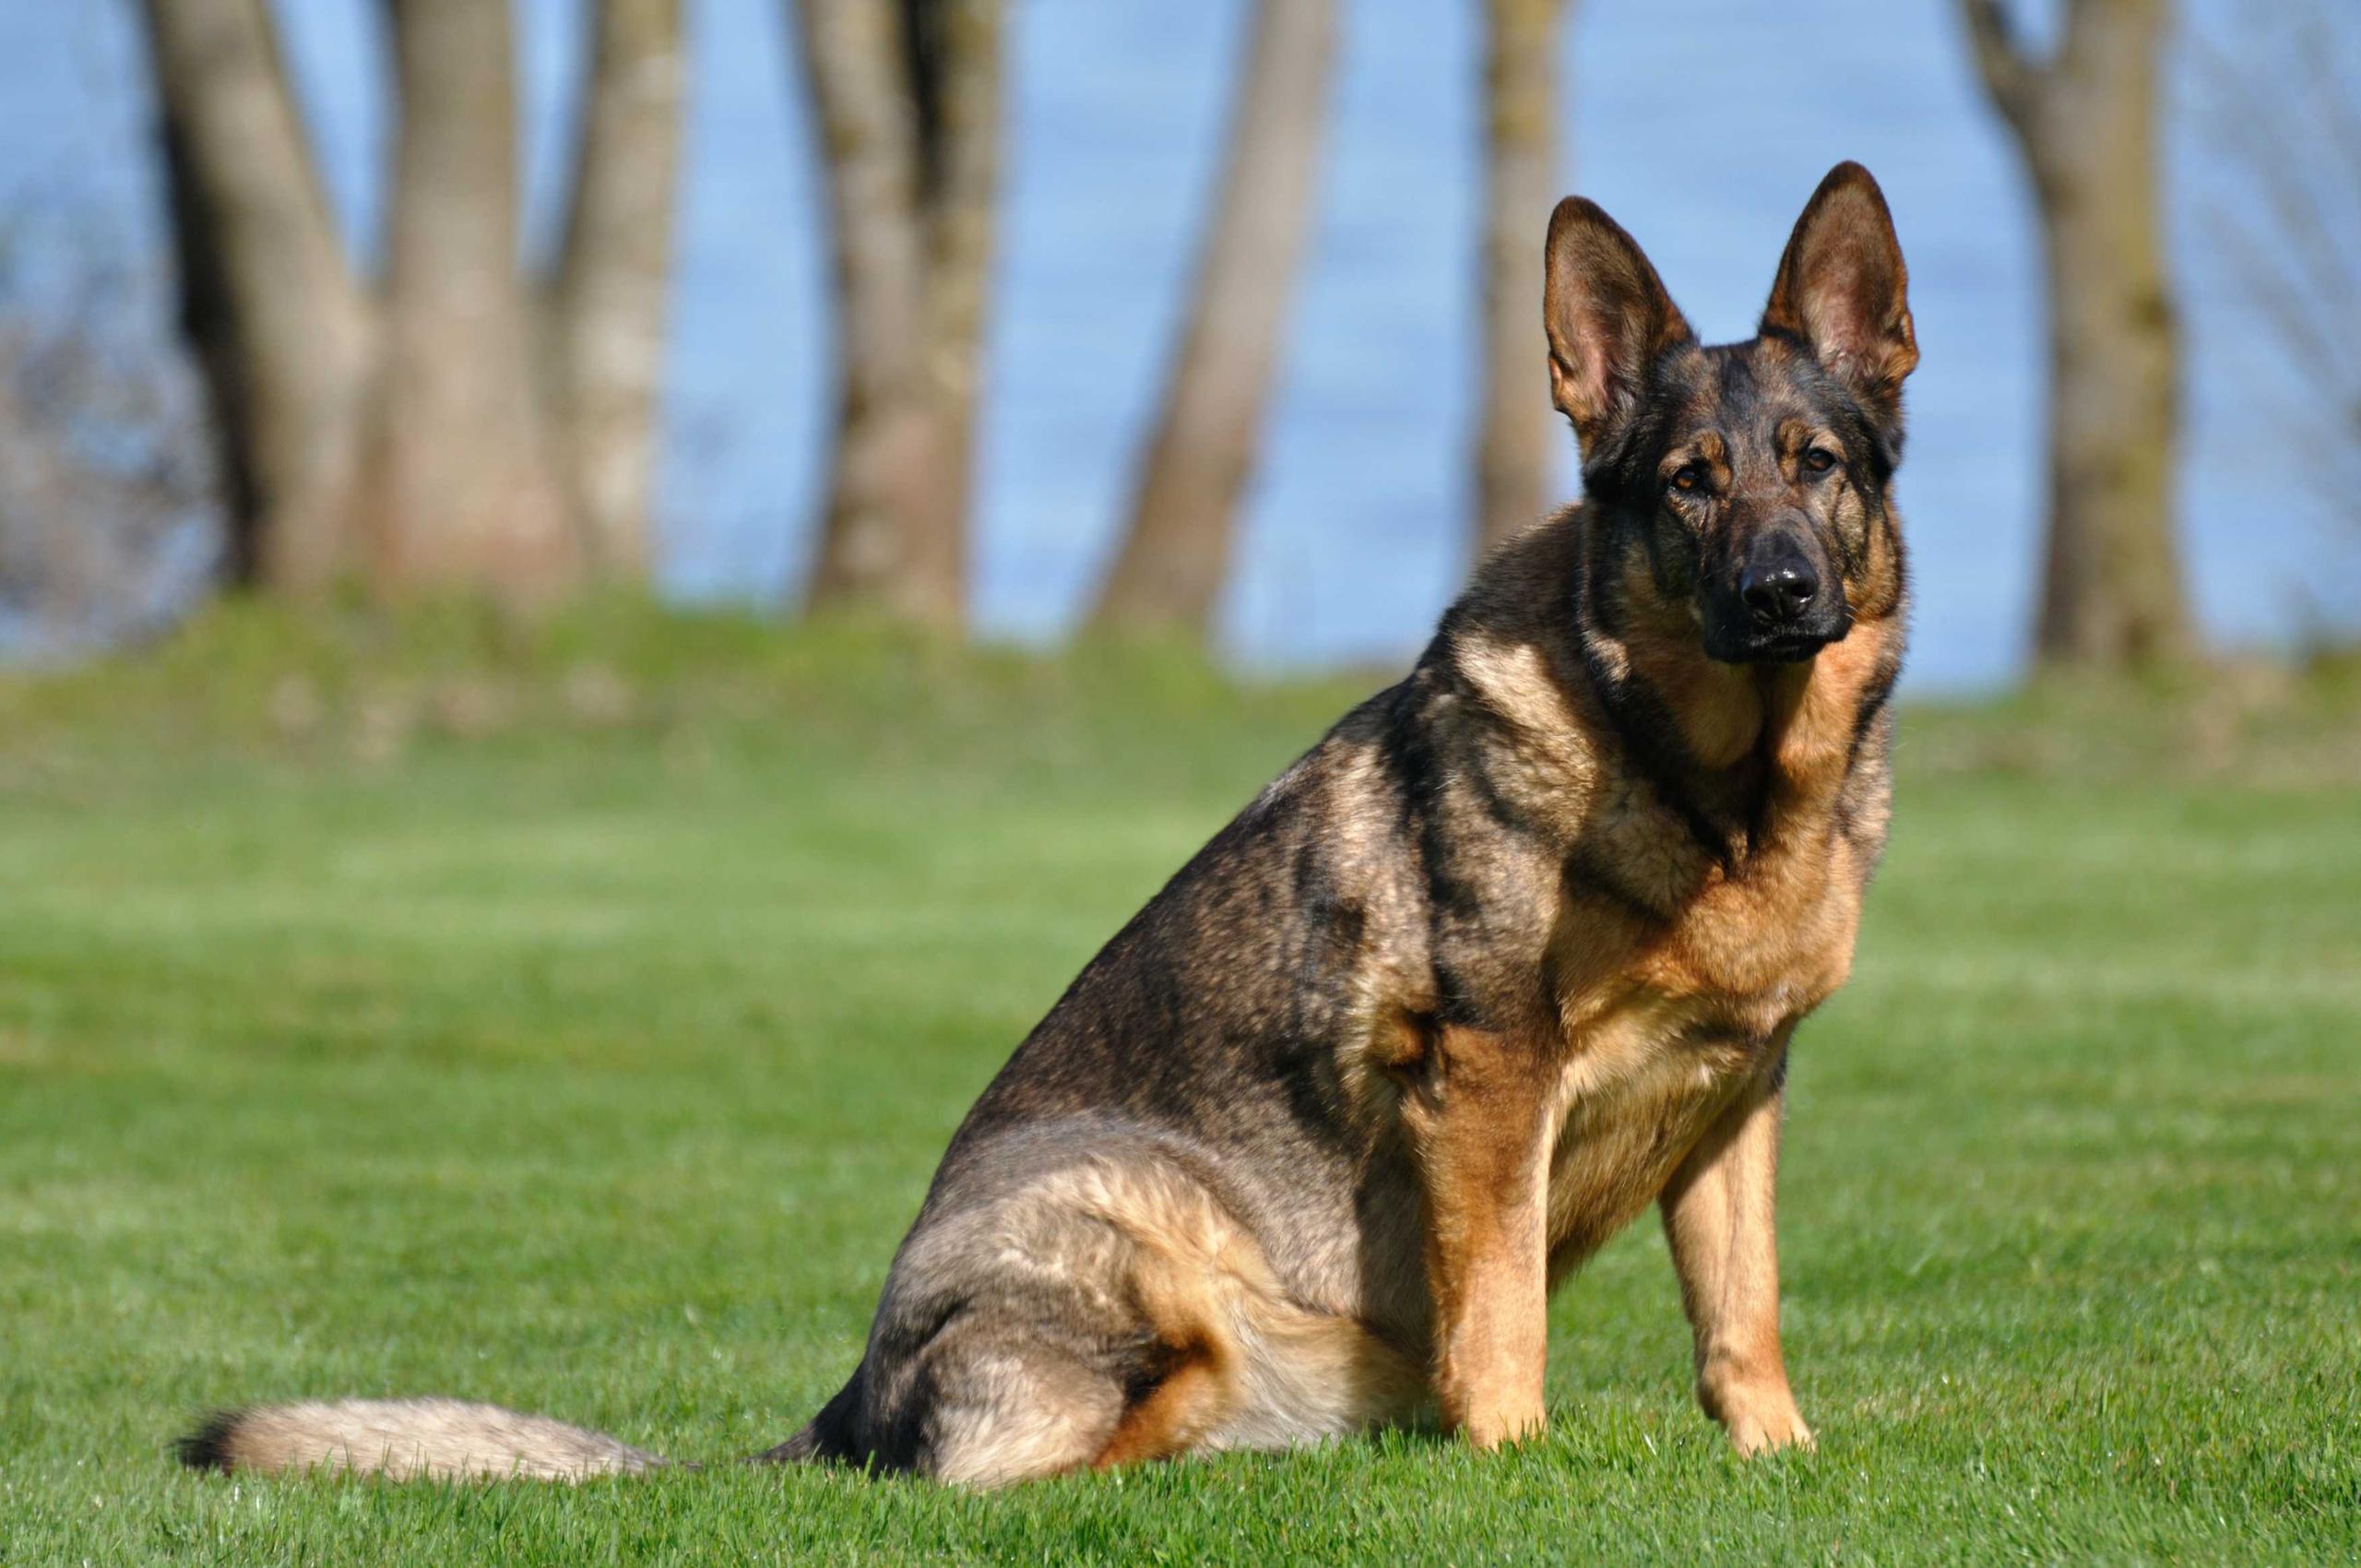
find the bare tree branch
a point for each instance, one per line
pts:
(2012, 77)
(105, 532)
(2286, 220)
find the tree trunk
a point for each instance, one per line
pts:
(281, 328)
(954, 52)
(1170, 571)
(606, 302)
(1513, 445)
(890, 466)
(468, 496)
(416, 436)
(2112, 594)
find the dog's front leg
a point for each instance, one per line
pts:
(1477, 1130)
(1718, 1215)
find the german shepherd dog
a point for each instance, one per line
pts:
(1518, 947)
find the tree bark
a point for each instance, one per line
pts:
(468, 496)
(892, 486)
(423, 435)
(1169, 570)
(956, 69)
(606, 317)
(2085, 122)
(281, 328)
(1513, 445)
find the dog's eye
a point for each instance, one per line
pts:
(1819, 459)
(1688, 479)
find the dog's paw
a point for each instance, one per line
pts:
(1759, 1413)
(1498, 1428)
(1767, 1430)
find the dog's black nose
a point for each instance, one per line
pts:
(1778, 584)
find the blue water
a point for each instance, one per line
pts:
(1700, 124)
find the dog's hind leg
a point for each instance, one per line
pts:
(1010, 1408)
(1073, 1320)
(1097, 1311)
(1194, 1391)
(1005, 1411)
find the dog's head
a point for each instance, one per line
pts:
(1744, 484)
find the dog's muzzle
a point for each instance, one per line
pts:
(1780, 606)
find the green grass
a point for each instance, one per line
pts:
(572, 1017)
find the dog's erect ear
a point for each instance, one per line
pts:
(1843, 290)
(1608, 318)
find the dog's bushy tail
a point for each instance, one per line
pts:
(409, 1438)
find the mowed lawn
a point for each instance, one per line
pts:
(577, 1030)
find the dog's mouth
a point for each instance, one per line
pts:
(1725, 644)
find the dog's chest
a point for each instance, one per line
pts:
(1747, 948)
(1667, 1022)
(1646, 1084)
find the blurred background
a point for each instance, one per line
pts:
(601, 600)
(1019, 317)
